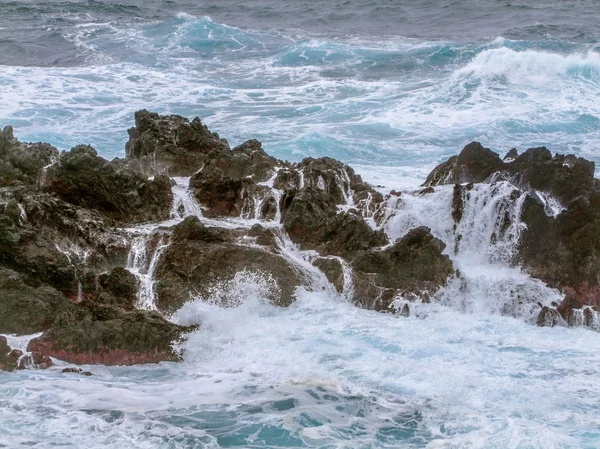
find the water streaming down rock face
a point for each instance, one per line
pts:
(482, 242)
(184, 204)
(480, 225)
(322, 371)
(142, 260)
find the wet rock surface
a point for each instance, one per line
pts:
(82, 178)
(560, 243)
(22, 163)
(170, 145)
(97, 256)
(99, 334)
(203, 262)
(413, 267)
(474, 164)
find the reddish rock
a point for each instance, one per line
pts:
(110, 336)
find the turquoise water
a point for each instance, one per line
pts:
(390, 87)
(326, 374)
(387, 100)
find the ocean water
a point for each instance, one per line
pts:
(392, 88)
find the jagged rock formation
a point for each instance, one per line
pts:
(82, 178)
(22, 163)
(561, 242)
(58, 245)
(414, 267)
(231, 182)
(74, 266)
(200, 260)
(170, 145)
(474, 164)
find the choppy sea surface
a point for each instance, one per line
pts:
(391, 87)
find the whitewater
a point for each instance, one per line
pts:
(456, 373)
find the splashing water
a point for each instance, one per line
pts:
(184, 204)
(142, 261)
(458, 373)
(481, 245)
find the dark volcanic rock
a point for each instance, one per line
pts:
(170, 144)
(474, 164)
(204, 261)
(263, 236)
(25, 309)
(109, 336)
(54, 242)
(311, 219)
(8, 357)
(339, 182)
(22, 163)
(229, 182)
(548, 317)
(565, 177)
(565, 252)
(84, 179)
(333, 270)
(119, 288)
(413, 266)
(84, 333)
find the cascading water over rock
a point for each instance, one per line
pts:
(311, 226)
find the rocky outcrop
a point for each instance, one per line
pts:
(170, 145)
(202, 262)
(474, 164)
(61, 259)
(333, 270)
(560, 243)
(564, 177)
(100, 334)
(50, 241)
(414, 268)
(119, 288)
(311, 219)
(83, 178)
(231, 183)
(564, 251)
(9, 358)
(22, 163)
(25, 309)
(71, 269)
